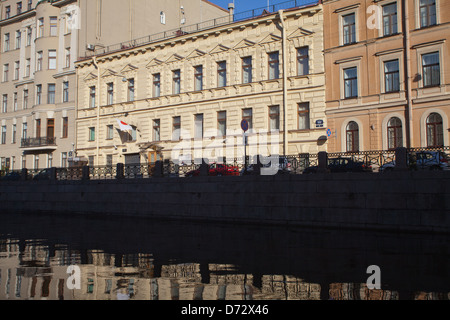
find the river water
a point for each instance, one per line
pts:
(81, 258)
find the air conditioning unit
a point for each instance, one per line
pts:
(90, 47)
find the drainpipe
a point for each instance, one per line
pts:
(97, 102)
(407, 64)
(285, 142)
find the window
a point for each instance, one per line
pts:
(435, 133)
(25, 99)
(27, 67)
(19, 7)
(5, 103)
(247, 70)
(39, 59)
(431, 69)
(6, 42)
(50, 128)
(176, 82)
(38, 128)
(3, 134)
(274, 118)
(198, 126)
(30, 5)
(18, 39)
(91, 160)
(52, 59)
(65, 91)
(198, 75)
(40, 27)
(390, 19)
(24, 162)
(391, 76)
(49, 160)
(63, 159)
(176, 128)
(7, 12)
(162, 17)
(222, 74)
(427, 12)
(350, 83)
(156, 130)
(395, 133)
(109, 93)
(274, 63)
(5, 72)
(109, 160)
(302, 61)
(67, 58)
(352, 136)
(247, 114)
(303, 116)
(222, 123)
(65, 127)
(51, 93)
(131, 89)
(24, 130)
(91, 134)
(92, 97)
(348, 29)
(29, 35)
(156, 85)
(15, 101)
(14, 133)
(16, 70)
(109, 132)
(53, 26)
(38, 94)
(36, 161)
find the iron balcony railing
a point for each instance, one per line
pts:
(38, 142)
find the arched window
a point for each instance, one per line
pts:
(395, 134)
(435, 133)
(352, 135)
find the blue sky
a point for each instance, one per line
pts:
(244, 5)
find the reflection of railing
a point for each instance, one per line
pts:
(38, 142)
(250, 14)
(382, 160)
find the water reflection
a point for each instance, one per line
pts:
(145, 260)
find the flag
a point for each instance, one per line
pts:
(124, 126)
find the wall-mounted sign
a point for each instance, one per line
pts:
(319, 123)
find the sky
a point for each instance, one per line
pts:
(244, 5)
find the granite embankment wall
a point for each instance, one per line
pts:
(410, 201)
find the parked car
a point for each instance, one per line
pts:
(284, 167)
(423, 160)
(216, 169)
(341, 164)
(12, 176)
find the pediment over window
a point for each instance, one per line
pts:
(219, 49)
(174, 58)
(270, 38)
(244, 44)
(300, 32)
(128, 68)
(195, 54)
(154, 62)
(90, 76)
(108, 73)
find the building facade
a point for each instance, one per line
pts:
(184, 98)
(40, 42)
(387, 75)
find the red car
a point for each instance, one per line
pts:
(216, 169)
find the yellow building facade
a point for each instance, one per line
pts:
(185, 97)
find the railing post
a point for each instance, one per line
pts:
(120, 171)
(323, 162)
(85, 173)
(158, 170)
(401, 159)
(53, 174)
(204, 169)
(24, 174)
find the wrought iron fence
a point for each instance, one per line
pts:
(378, 161)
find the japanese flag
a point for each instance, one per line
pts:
(124, 126)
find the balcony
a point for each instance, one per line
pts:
(41, 143)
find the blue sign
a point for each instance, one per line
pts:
(328, 132)
(244, 125)
(319, 123)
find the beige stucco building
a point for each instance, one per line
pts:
(40, 42)
(184, 97)
(387, 74)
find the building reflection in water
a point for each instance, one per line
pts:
(33, 270)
